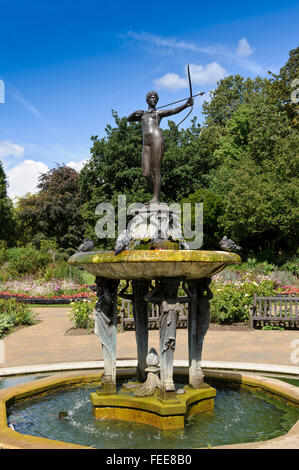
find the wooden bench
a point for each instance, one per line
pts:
(127, 319)
(280, 310)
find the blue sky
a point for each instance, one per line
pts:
(66, 64)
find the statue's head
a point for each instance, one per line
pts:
(152, 98)
(170, 287)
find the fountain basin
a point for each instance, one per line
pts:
(46, 386)
(153, 264)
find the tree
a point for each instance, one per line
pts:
(7, 214)
(54, 212)
(282, 86)
(230, 93)
(257, 178)
(212, 210)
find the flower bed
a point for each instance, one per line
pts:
(35, 292)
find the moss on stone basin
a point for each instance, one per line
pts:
(152, 264)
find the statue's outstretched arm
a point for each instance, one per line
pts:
(178, 109)
(135, 116)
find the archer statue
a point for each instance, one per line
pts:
(153, 138)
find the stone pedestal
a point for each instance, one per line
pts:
(156, 221)
(169, 414)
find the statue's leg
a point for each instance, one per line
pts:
(106, 329)
(157, 150)
(146, 165)
(140, 312)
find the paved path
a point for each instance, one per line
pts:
(46, 343)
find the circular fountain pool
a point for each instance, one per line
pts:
(240, 415)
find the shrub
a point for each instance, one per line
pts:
(63, 270)
(231, 301)
(26, 260)
(292, 266)
(13, 313)
(81, 314)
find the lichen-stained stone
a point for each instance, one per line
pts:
(153, 411)
(152, 264)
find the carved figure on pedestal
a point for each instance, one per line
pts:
(198, 324)
(165, 294)
(106, 327)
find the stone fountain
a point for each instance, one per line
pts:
(158, 268)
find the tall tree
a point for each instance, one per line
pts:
(283, 85)
(54, 212)
(257, 178)
(7, 214)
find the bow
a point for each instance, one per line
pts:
(190, 88)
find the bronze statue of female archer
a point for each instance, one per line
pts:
(153, 139)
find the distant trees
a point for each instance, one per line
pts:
(54, 212)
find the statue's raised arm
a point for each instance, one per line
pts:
(178, 109)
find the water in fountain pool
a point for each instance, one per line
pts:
(240, 415)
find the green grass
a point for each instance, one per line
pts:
(289, 381)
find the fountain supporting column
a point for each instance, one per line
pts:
(106, 328)
(198, 324)
(165, 294)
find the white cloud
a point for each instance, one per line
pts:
(200, 75)
(171, 81)
(244, 49)
(23, 178)
(77, 165)
(204, 75)
(9, 149)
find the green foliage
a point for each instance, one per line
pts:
(3, 251)
(269, 327)
(292, 266)
(230, 94)
(54, 212)
(81, 314)
(231, 301)
(63, 270)
(13, 313)
(7, 213)
(212, 209)
(281, 86)
(258, 178)
(47, 245)
(26, 260)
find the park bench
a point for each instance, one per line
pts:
(280, 310)
(127, 319)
